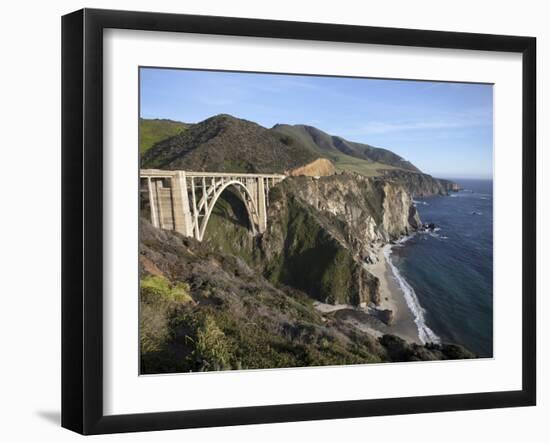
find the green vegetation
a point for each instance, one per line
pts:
(157, 289)
(299, 251)
(243, 301)
(216, 338)
(217, 311)
(351, 156)
(155, 130)
(225, 143)
(211, 350)
(228, 229)
(219, 335)
(344, 162)
(311, 259)
(159, 299)
(323, 143)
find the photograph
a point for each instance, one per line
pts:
(290, 220)
(253, 222)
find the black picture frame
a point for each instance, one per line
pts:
(82, 218)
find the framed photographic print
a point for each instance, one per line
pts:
(269, 221)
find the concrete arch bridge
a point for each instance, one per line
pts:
(183, 200)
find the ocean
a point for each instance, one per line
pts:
(447, 275)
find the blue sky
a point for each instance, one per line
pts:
(446, 129)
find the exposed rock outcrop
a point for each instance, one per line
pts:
(421, 185)
(320, 233)
(359, 212)
(317, 168)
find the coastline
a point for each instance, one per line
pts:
(393, 298)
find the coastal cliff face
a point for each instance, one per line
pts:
(359, 212)
(421, 185)
(320, 233)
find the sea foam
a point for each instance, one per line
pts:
(420, 202)
(425, 334)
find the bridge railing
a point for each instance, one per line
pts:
(162, 173)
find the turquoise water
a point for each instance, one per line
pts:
(451, 270)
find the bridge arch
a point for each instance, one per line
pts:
(183, 200)
(246, 197)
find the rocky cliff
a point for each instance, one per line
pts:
(320, 233)
(421, 185)
(360, 212)
(323, 230)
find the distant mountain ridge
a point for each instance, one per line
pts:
(224, 143)
(210, 143)
(334, 146)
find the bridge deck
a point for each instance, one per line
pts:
(163, 173)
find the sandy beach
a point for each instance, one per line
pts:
(366, 319)
(392, 298)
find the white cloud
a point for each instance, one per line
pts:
(386, 128)
(473, 118)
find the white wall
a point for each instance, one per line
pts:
(30, 248)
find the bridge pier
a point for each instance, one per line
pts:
(262, 210)
(186, 204)
(153, 203)
(180, 204)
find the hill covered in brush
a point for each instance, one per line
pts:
(224, 143)
(227, 144)
(368, 161)
(360, 157)
(152, 131)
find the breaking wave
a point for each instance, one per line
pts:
(425, 334)
(420, 202)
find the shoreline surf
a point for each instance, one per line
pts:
(425, 334)
(393, 298)
(438, 276)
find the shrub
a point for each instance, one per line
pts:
(155, 289)
(181, 293)
(153, 328)
(212, 350)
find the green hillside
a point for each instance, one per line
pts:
(357, 157)
(344, 162)
(152, 131)
(224, 143)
